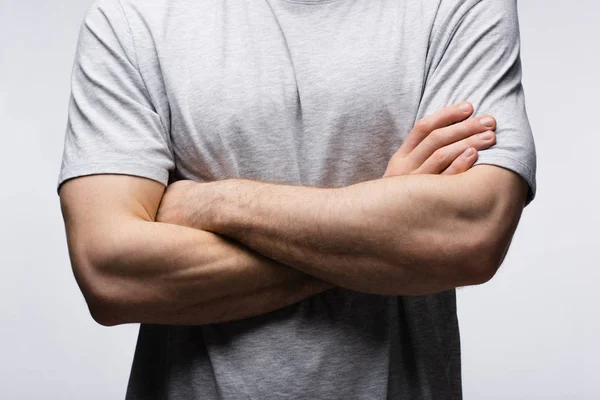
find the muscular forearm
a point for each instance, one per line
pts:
(241, 306)
(413, 234)
(152, 272)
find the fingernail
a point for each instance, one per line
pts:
(465, 107)
(469, 152)
(485, 135)
(487, 121)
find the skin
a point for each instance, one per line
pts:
(208, 254)
(406, 235)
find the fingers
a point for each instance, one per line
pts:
(445, 136)
(462, 163)
(447, 116)
(442, 158)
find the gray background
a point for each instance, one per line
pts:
(530, 333)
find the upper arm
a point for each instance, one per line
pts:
(95, 209)
(117, 156)
(494, 189)
(475, 56)
(97, 200)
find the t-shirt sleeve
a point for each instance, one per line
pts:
(112, 125)
(474, 56)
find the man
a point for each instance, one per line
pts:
(328, 188)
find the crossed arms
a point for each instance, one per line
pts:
(202, 253)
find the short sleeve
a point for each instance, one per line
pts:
(112, 125)
(474, 55)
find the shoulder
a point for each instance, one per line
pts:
(452, 12)
(127, 10)
(480, 18)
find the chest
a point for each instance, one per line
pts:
(252, 87)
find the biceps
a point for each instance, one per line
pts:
(94, 199)
(496, 186)
(94, 206)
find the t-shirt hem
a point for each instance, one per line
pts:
(97, 168)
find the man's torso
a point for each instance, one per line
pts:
(312, 93)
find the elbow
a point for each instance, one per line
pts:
(485, 250)
(102, 313)
(100, 291)
(103, 310)
(480, 272)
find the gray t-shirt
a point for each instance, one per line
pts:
(312, 92)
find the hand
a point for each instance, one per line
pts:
(441, 144)
(184, 203)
